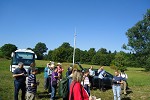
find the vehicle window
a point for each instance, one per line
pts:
(24, 57)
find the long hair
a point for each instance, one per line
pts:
(77, 76)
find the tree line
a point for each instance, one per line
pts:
(138, 45)
(64, 53)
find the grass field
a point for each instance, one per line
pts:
(139, 83)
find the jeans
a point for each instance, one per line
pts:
(49, 85)
(18, 86)
(53, 93)
(87, 88)
(46, 82)
(117, 92)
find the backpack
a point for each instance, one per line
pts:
(63, 90)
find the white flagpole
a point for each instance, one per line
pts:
(74, 47)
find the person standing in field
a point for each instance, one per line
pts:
(50, 70)
(101, 75)
(19, 83)
(46, 81)
(77, 91)
(54, 79)
(60, 70)
(86, 82)
(91, 76)
(29, 72)
(32, 66)
(125, 77)
(32, 85)
(116, 85)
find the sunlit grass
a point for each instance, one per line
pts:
(139, 82)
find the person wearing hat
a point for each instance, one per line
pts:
(60, 70)
(32, 85)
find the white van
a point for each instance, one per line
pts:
(22, 55)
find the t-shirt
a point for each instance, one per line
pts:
(31, 80)
(21, 79)
(101, 74)
(124, 76)
(86, 81)
(91, 72)
(54, 74)
(117, 78)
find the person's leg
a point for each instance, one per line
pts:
(30, 96)
(102, 84)
(16, 89)
(49, 87)
(114, 92)
(53, 93)
(90, 80)
(23, 88)
(124, 87)
(89, 91)
(99, 83)
(45, 83)
(118, 88)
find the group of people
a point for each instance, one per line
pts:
(79, 82)
(26, 81)
(83, 82)
(52, 75)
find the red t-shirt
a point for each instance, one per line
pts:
(77, 92)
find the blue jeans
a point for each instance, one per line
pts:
(53, 93)
(117, 92)
(18, 86)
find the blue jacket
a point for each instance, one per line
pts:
(46, 72)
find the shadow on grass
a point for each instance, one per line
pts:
(126, 98)
(45, 95)
(42, 95)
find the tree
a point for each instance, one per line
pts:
(91, 53)
(7, 49)
(63, 53)
(102, 51)
(121, 60)
(139, 39)
(40, 49)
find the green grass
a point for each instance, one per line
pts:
(139, 83)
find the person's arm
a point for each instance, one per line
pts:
(16, 75)
(126, 76)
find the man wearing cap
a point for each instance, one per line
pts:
(32, 85)
(19, 83)
(60, 70)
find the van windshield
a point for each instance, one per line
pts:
(25, 57)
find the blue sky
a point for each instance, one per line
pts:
(98, 23)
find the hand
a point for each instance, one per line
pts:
(22, 74)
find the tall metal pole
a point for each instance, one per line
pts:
(74, 47)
